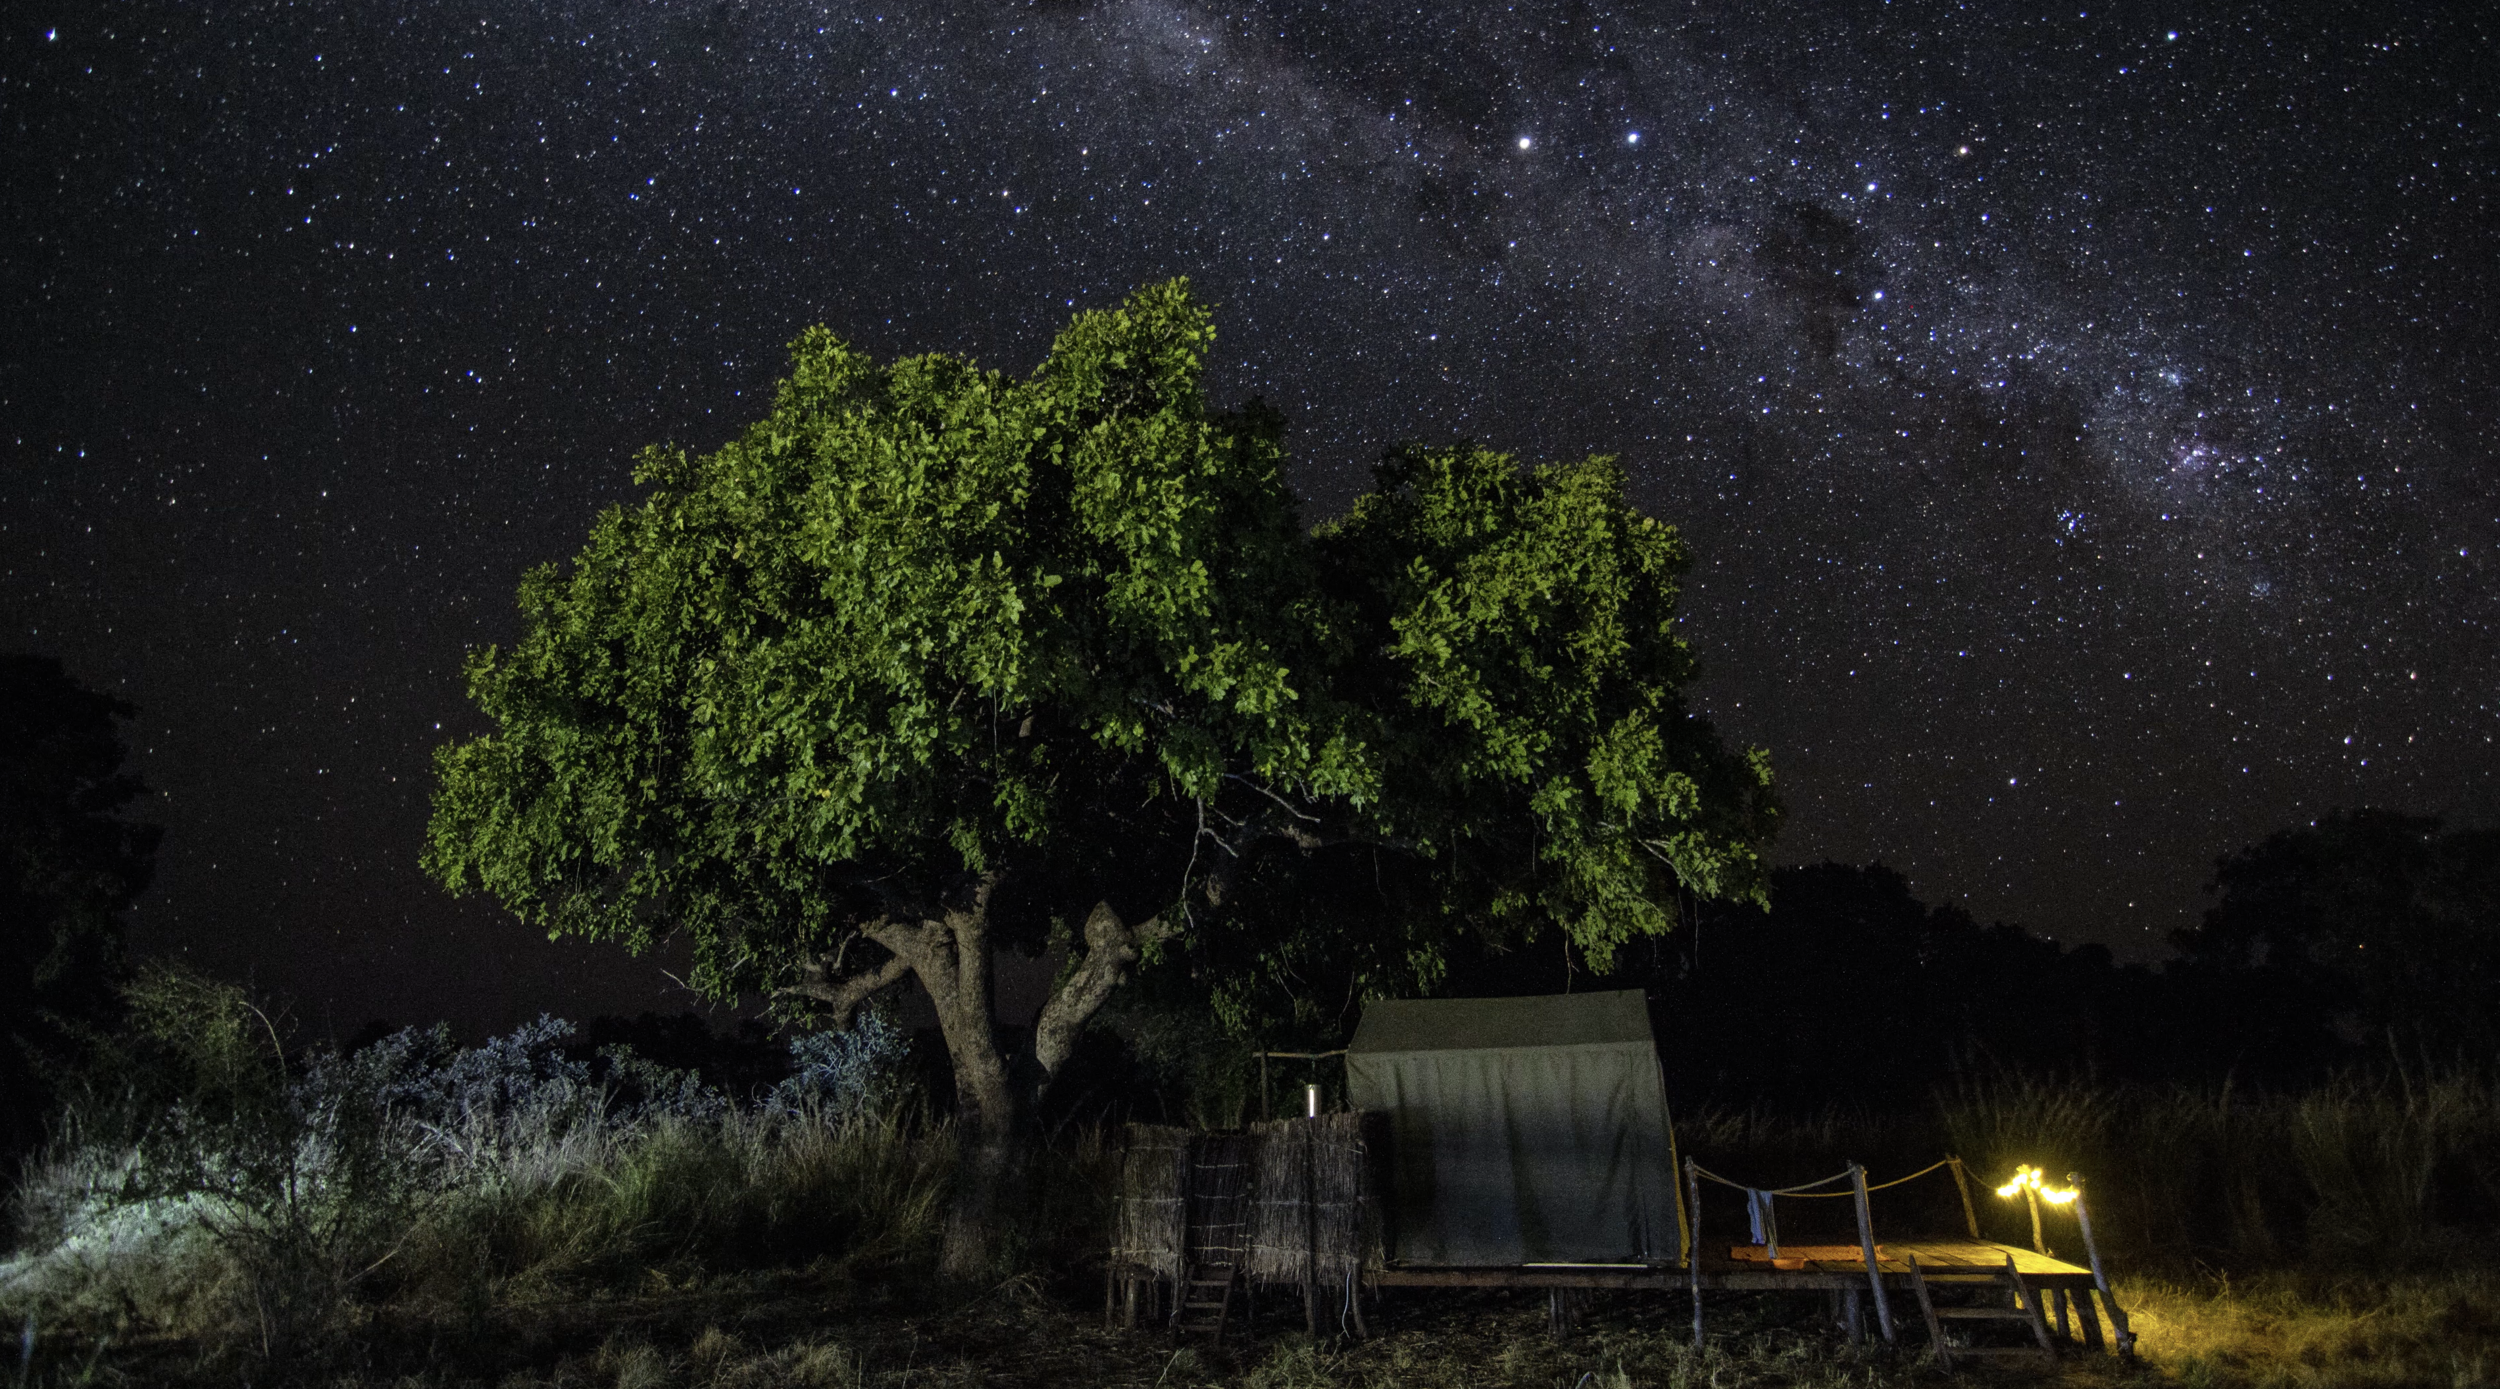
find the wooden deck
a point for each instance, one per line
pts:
(1730, 1269)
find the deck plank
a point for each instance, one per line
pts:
(1939, 1258)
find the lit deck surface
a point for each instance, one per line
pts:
(1940, 1258)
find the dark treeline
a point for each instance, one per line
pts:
(2365, 938)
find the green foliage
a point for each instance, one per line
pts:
(1521, 688)
(924, 627)
(1530, 693)
(916, 623)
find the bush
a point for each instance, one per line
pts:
(845, 1075)
(212, 1168)
(209, 1183)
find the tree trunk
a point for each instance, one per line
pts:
(951, 957)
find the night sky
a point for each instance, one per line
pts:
(2082, 417)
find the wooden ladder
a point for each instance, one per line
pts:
(1206, 1301)
(2026, 1309)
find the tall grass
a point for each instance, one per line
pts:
(741, 1191)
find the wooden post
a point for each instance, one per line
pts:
(1692, 1243)
(2118, 1328)
(1961, 1183)
(1354, 1300)
(1310, 1227)
(1559, 1313)
(1866, 1245)
(1264, 1114)
(1927, 1309)
(2028, 1298)
(2090, 1320)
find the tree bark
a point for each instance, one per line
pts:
(951, 957)
(842, 998)
(1112, 947)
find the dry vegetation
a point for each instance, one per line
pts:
(2323, 1238)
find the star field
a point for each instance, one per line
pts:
(2081, 417)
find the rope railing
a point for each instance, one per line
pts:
(1765, 1223)
(1807, 1189)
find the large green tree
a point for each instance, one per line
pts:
(930, 661)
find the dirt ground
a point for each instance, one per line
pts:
(831, 1331)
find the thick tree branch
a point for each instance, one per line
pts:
(842, 997)
(1111, 947)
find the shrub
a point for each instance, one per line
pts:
(849, 1074)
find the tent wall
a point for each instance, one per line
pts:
(1521, 1153)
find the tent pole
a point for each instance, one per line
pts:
(1961, 1183)
(1310, 1227)
(1692, 1248)
(2120, 1332)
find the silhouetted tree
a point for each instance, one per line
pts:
(2366, 926)
(70, 864)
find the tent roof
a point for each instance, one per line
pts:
(1491, 1024)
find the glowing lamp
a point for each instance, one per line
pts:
(2028, 1178)
(2031, 1184)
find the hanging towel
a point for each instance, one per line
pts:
(1766, 1229)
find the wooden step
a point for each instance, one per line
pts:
(1206, 1296)
(2026, 1311)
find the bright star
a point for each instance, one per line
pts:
(1632, 139)
(1524, 142)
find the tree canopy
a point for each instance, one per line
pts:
(929, 659)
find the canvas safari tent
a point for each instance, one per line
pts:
(1522, 1130)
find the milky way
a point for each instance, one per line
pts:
(2082, 418)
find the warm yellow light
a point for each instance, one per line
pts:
(2028, 1176)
